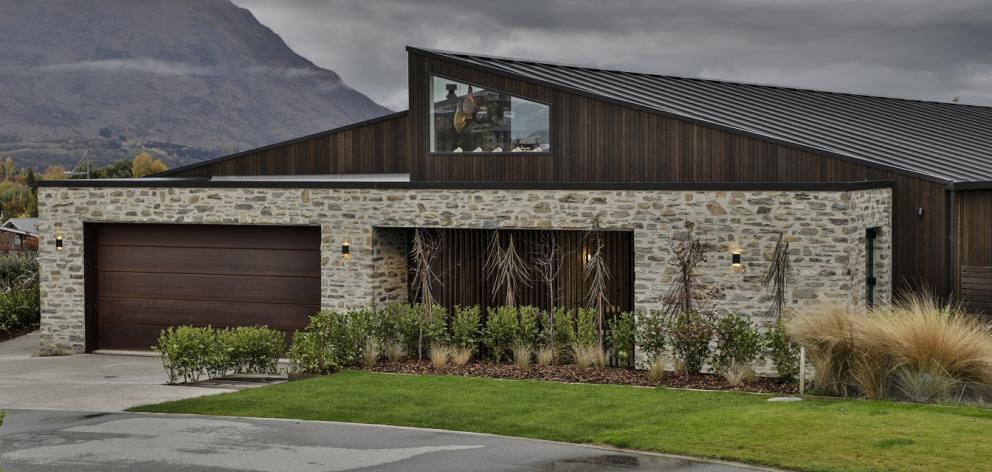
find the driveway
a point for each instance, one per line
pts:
(78, 441)
(86, 382)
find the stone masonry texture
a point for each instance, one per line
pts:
(826, 230)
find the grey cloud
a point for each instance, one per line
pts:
(140, 65)
(912, 48)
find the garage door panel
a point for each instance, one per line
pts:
(149, 277)
(233, 288)
(283, 317)
(276, 262)
(222, 236)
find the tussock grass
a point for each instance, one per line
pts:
(546, 356)
(521, 356)
(461, 355)
(656, 369)
(905, 350)
(585, 356)
(736, 374)
(439, 356)
(395, 351)
(370, 353)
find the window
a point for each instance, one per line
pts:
(466, 118)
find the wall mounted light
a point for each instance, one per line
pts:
(346, 250)
(58, 236)
(735, 261)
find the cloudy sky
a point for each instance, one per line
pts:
(927, 49)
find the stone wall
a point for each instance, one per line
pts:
(826, 230)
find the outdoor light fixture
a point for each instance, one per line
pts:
(58, 236)
(346, 250)
(735, 261)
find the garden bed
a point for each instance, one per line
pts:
(9, 334)
(569, 374)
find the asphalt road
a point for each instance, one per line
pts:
(40, 440)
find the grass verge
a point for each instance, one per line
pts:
(812, 435)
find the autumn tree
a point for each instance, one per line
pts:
(144, 164)
(53, 173)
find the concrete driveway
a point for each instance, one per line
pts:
(87, 382)
(77, 441)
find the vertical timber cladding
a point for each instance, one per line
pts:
(147, 277)
(973, 249)
(463, 278)
(597, 141)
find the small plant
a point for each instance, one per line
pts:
(585, 356)
(690, 336)
(784, 353)
(370, 353)
(465, 327)
(564, 329)
(656, 369)
(623, 331)
(651, 329)
(522, 352)
(186, 352)
(395, 351)
(736, 374)
(247, 349)
(931, 385)
(738, 342)
(528, 332)
(678, 366)
(501, 331)
(546, 356)
(461, 355)
(327, 343)
(586, 332)
(439, 356)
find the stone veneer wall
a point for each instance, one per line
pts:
(826, 230)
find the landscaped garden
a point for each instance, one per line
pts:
(19, 295)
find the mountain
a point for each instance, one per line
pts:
(184, 79)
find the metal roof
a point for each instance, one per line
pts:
(944, 142)
(27, 225)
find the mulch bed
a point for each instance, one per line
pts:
(568, 373)
(11, 334)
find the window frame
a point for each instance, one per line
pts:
(430, 121)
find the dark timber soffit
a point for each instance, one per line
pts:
(205, 182)
(172, 172)
(940, 142)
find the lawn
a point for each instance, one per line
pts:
(813, 435)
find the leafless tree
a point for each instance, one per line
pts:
(598, 274)
(423, 253)
(549, 258)
(684, 296)
(506, 269)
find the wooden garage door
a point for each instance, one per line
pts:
(148, 277)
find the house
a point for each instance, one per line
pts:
(872, 194)
(19, 235)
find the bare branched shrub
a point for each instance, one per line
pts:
(423, 253)
(461, 355)
(439, 356)
(597, 272)
(507, 270)
(521, 356)
(546, 356)
(549, 258)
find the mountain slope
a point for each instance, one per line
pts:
(188, 79)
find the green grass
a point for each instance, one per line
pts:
(813, 435)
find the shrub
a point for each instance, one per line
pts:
(249, 349)
(20, 300)
(931, 385)
(690, 336)
(527, 330)
(784, 353)
(186, 352)
(564, 323)
(326, 344)
(738, 342)
(370, 353)
(586, 332)
(435, 325)
(405, 319)
(501, 330)
(651, 327)
(621, 339)
(465, 327)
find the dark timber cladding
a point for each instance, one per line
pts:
(463, 278)
(145, 277)
(598, 141)
(376, 146)
(973, 248)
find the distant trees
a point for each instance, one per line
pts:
(53, 173)
(144, 164)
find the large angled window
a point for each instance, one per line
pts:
(467, 118)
